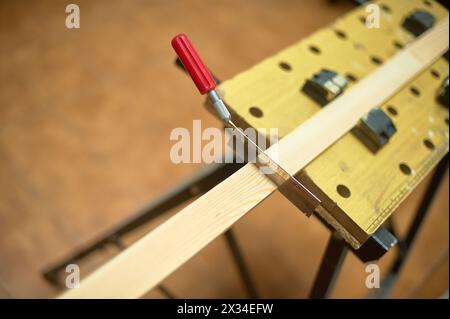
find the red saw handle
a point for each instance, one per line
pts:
(193, 64)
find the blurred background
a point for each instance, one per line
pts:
(85, 117)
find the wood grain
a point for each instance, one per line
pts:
(159, 253)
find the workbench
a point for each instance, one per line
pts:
(366, 187)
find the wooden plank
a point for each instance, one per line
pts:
(375, 182)
(156, 255)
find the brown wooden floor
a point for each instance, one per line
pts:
(85, 117)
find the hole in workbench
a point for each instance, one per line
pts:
(427, 3)
(376, 60)
(386, 8)
(285, 66)
(446, 120)
(398, 45)
(415, 91)
(343, 191)
(351, 77)
(405, 169)
(314, 49)
(435, 73)
(428, 144)
(362, 19)
(340, 34)
(256, 111)
(392, 110)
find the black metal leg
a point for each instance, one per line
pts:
(200, 183)
(330, 267)
(240, 263)
(406, 244)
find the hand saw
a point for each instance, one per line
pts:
(288, 185)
